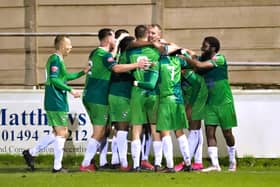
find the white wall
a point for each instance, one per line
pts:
(22, 123)
(258, 118)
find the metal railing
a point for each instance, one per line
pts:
(42, 34)
(253, 63)
(46, 34)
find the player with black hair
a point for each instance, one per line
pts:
(119, 104)
(220, 109)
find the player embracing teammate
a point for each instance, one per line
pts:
(143, 85)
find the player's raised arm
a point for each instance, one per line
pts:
(120, 68)
(197, 64)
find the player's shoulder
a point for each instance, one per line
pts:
(219, 59)
(132, 51)
(219, 56)
(150, 49)
(55, 58)
(171, 58)
(102, 52)
(99, 52)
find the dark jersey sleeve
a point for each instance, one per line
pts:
(184, 64)
(109, 61)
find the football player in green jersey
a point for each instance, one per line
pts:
(149, 134)
(119, 104)
(195, 96)
(195, 92)
(148, 129)
(55, 103)
(111, 129)
(143, 101)
(155, 36)
(171, 114)
(96, 91)
(220, 109)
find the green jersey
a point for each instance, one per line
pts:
(216, 79)
(150, 54)
(98, 79)
(121, 83)
(170, 77)
(191, 85)
(56, 87)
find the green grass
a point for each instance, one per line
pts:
(251, 173)
(7, 160)
(242, 178)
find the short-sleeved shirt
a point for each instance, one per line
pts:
(56, 98)
(216, 79)
(170, 77)
(98, 80)
(171, 110)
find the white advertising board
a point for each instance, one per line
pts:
(23, 121)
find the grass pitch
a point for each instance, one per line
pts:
(251, 173)
(19, 177)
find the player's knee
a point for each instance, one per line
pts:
(228, 134)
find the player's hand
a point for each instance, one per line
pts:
(75, 93)
(88, 67)
(182, 57)
(143, 64)
(135, 83)
(191, 52)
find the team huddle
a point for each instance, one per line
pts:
(149, 86)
